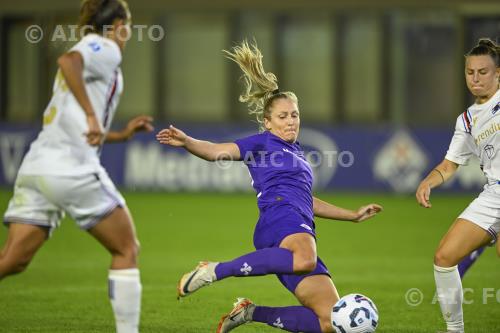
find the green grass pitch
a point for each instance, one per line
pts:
(65, 289)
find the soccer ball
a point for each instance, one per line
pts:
(354, 313)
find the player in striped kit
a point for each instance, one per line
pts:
(475, 134)
(284, 236)
(62, 173)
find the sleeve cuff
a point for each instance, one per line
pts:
(242, 152)
(456, 159)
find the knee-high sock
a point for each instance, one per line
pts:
(466, 262)
(125, 296)
(273, 260)
(291, 318)
(450, 296)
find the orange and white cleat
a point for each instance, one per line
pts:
(203, 275)
(241, 314)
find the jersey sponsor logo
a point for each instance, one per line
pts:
(495, 127)
(95, 46)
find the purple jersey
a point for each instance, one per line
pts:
(279, 171)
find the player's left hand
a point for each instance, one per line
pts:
(366, 212)
(138, 124)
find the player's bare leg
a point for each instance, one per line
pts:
(23, 241)
(319, 294)
(116, 233)
(462, 238)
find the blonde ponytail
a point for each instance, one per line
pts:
(261, 87)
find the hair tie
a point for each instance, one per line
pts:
(275, 91)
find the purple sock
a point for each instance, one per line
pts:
(466, 262)
(273, 260)
(291, 318)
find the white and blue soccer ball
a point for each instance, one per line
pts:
(355, 313)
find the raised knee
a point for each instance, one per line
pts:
(443, 259)
(305, 265)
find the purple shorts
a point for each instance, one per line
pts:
(277, 222)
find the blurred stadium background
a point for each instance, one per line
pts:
(380, 85)
(383, 81)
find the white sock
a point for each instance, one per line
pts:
(450, 296)
(125, 296)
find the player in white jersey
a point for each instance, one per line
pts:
(61, 172)
(475, 134)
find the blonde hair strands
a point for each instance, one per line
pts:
(259, 84)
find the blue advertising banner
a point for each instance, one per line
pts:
(347, 158)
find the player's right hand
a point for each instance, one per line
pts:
(424, 194)
(172, 136)
(95, 135)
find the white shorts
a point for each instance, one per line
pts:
(43, 200)
(484, 211)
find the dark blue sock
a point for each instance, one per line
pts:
(273, 260)
(291, 318)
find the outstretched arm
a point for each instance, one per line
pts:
(328, 211)
(137, 124)
(441, 173)
(204, 149)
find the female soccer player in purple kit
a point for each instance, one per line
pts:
(284, 235)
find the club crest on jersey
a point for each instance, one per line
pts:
(95, 46)
(489, 150)
(496, 108)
